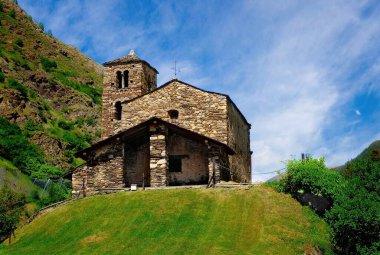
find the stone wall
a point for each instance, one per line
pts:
(108, 174)
(199, 111)
(158, 157)
(104, 169)
(194, 160)
(239, 140)
(142, 79)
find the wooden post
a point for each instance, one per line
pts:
(83, 188)
(143, 181)
(213, 171)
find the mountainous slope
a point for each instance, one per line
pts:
(49, 89)
(365, 154)
(196, 221)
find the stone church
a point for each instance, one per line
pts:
(175, 134)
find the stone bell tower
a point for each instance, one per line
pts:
(124, 79)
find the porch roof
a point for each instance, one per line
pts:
(143, 128)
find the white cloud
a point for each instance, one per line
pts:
(357, 112)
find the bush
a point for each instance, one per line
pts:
(19, 42)
(32, 126)
(2, 77)
(57, 192)
(1, 6)
(356, 202)
(66, 125)
(48, 65)
(313, 176)
(15, 147)
(11, 207)
(45, 172)
(13, 84)
(41, 25)
(12, 14)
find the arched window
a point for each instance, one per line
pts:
(173, 114)
(119, 79)
(118, 109)
(126, 77)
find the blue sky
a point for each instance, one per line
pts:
(306, 74)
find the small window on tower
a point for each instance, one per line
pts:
(173, 114)
(119, 79)
(118, 109)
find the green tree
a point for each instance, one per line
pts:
(11, 207)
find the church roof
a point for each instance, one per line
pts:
(130, 58)
(142, 128)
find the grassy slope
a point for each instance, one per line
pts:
(19, 182)
(213, 221)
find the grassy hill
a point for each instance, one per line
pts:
(202, 221)
(49, 89)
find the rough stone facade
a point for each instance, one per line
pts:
(172, 135)
(142, 78)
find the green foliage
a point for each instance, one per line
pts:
(57, 192)
(2, 77)
(48, 65)
(12, 13)
(19, 42)
(354, 217)
(1, 6)
(45, 172)
(19, 60)
(313, 176)
(15, 147)
(41, 25)
(49, 33)
(93, 92)
(13, 84)
(11, 207)
(32, 126)
(66, 125)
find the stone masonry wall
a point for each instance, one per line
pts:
(104, 175)
(141, 80)
(239, 140)
(194, 160)
(158, 157)
(199, 111)
(104, 169)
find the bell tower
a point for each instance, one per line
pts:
(124, 79)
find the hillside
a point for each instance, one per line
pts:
(49, 89)
(365, 154)
(186, 221)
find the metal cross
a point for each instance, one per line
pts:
(176, 70)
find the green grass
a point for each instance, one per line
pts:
(212, 221)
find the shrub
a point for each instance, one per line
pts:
(19, 42)
(66, 125)
(2, 77)
(13, 84)
(57, 192)
(313, 176)
(12, 13)
(48, 65)
(45, 172)
(41, 25)
(15, 147)
(32, 126)
(1, 6)
(11, 207)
